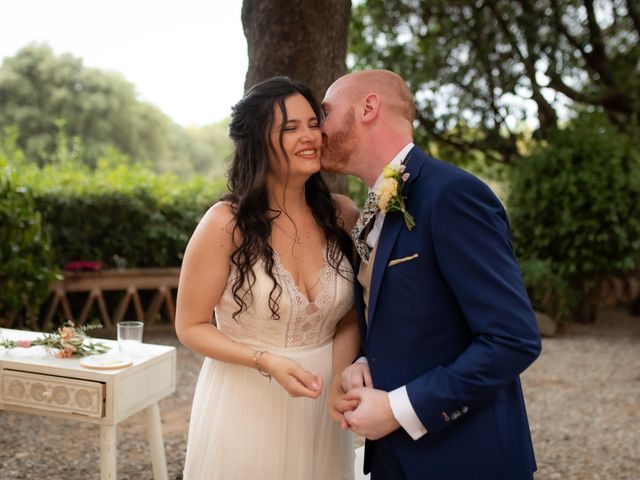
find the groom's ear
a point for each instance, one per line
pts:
(370, 107)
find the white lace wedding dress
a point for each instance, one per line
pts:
(244, 426)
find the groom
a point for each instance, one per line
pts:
(445, 321)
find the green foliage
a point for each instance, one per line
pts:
(115, 209)
(481, 70)
(548, 291)
(120, 210)
(358, 191)
(42, 95)
(576, 204)
(210, 148)
(38, 89)
(27, 265)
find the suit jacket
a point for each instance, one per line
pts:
(455, 325)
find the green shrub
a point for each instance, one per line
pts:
(548, 291)
(122, 211)
(358, 190)
(575, 204)
(67, 211)
(117, 208)
(27, 265)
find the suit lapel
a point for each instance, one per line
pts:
(391, 228)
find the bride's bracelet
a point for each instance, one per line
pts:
(256, 358)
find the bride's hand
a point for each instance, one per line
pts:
(297, 381)
(356, 375)
(336, 403)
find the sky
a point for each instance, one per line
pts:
(187, 57)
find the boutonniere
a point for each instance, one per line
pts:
(390, 197)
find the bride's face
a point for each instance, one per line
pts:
(299, 132)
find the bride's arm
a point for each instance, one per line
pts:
(346, 210)
(346, 343)
(203, 277)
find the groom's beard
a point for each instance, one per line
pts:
(337, 150)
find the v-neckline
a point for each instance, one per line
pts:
(291, 280)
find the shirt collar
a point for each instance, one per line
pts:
(395, 162)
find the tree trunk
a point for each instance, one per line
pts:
(302, 39)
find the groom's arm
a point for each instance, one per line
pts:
(471, 241)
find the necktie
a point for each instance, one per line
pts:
(366, 216)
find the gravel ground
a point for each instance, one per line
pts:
(583, 399)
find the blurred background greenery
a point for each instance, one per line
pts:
(540, 99)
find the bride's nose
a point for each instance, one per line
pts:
(308, 135)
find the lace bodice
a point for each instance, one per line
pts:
(302, 323)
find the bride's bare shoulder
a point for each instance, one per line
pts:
(220, 212)
(217, 225)
(347, 211)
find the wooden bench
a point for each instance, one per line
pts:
(128, 281)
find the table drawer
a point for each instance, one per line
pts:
(52, 393)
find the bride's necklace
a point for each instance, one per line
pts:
(296, 239)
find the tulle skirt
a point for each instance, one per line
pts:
(244, 426)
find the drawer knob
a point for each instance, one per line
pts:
(48, 395)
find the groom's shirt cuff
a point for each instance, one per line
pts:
(405, 414)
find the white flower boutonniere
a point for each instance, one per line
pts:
(390, 197)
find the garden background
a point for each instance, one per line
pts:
(539, 98)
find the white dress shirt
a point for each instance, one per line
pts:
(398, 399)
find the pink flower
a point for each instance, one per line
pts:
(87, 266)
(24, 343)
(64, 353)
(67, 333)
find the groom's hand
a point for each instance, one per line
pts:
(356, 375)
(372, 418)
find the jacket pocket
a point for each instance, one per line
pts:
(397, 261)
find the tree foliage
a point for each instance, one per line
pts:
(575, 204)
(209, 148)
(43, 94)
(37, 89)
(482, 69)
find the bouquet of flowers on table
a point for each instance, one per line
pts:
(69, 341)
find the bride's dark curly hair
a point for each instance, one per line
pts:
(252, 119)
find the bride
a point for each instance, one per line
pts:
(272, 261)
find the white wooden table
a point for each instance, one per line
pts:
(32, 381)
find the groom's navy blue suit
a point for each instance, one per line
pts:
(454, 324)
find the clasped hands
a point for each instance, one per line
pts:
(355, 404)
(352, 401)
